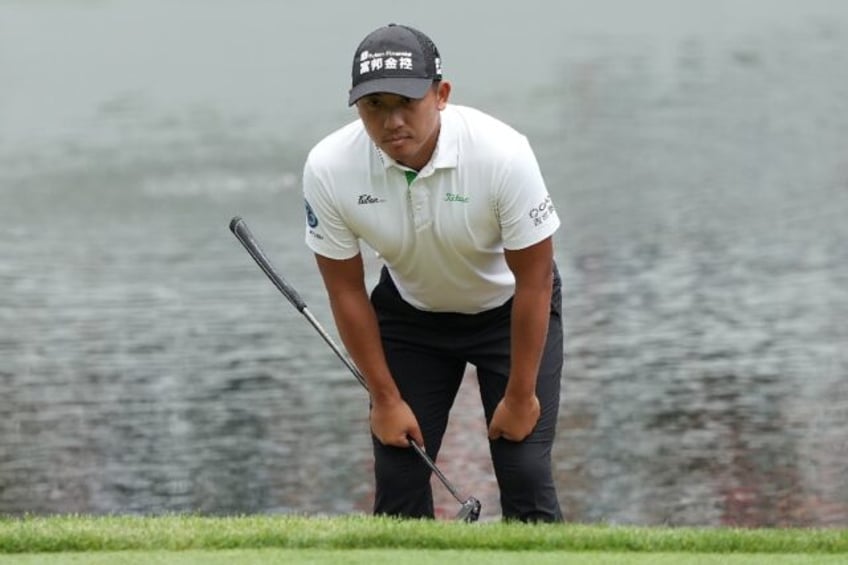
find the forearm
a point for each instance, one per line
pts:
(357, 325)
(530, 317)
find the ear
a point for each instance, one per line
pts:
(442, 94)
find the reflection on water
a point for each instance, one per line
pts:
(148, 366)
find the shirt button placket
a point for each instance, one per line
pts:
(420, 204)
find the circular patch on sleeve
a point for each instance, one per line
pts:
(311, 218)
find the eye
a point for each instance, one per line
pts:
(371, 103)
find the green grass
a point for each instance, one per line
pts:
(189, 540)
(410, 557)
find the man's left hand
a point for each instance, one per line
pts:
(514, 420)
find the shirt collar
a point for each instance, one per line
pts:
(446, 154)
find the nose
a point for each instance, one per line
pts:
(394, 119)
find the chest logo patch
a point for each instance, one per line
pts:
(369, 199)
(451, 197)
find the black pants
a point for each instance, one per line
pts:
(427, 353)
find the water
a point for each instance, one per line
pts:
(697, 155)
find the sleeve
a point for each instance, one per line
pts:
(526, 212)
(327, 233)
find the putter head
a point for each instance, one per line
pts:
(470, 510)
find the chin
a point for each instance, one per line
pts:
(399, 156)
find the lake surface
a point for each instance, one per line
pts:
(697, 153)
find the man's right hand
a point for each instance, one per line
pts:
(393, 422)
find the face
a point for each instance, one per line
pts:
(406, 129)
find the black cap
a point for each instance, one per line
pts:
(396, 59)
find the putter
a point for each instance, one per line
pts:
(470, 510)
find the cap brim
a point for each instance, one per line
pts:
(408, 87)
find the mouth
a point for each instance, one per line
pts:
(396, 141)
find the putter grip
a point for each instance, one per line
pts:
(239, 228)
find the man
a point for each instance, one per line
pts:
(453, 202)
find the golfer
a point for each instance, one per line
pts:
(453, 202)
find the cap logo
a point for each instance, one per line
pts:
(390, 60)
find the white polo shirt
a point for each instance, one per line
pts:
(441, 236)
